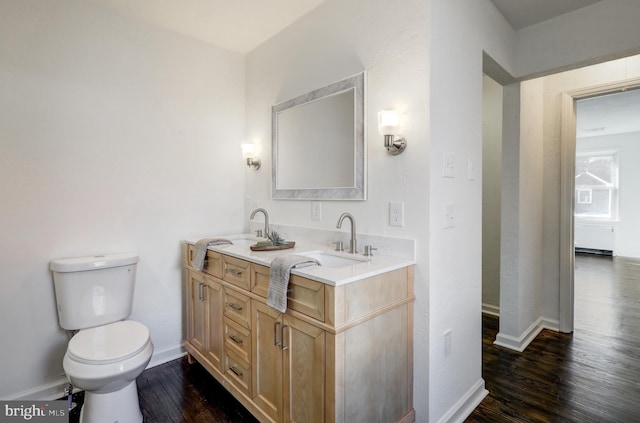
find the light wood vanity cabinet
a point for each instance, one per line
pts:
(204, 328)
(339, 354)
(289, 368)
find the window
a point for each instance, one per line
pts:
(596, 185)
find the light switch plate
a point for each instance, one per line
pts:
(449, 165)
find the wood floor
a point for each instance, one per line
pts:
(177, 392)
(592, 375)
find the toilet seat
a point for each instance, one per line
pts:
(109, 343)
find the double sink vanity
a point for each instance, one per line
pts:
(342, 351)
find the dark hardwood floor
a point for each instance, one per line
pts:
(177, 392)
(592, 375)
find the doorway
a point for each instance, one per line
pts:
(571, 199)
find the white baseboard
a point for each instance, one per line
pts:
(54, 390)
(522, 342)
(465, 406)
(166, 355)
(491, 309)
(46, 392)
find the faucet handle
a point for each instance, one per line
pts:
(259, 233)
(368, 250)
(339, 246)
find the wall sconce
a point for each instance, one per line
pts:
(388, 123)
(248, 152)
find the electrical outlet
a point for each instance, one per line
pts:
(449, 217)
(449, 165)
(316, 210)
(396, 213)
(447, 342)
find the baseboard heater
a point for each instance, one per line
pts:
(594, 251)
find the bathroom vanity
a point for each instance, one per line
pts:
(342, 352)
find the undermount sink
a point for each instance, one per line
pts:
(329, 259)
(243, 241)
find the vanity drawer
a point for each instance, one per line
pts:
(237, 371)
(303, 295)
(237, 307)
(306, 296)
(236, 272)
(260, 280)
(212, 264)
(237, 339)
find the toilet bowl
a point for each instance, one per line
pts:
(105, 362)
(94, 295)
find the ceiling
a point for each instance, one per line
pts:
(523, 13)
(242, 25)
(236, 25)
(609, 114)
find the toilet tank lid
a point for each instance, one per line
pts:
(79, 264)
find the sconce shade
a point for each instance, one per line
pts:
(388, 125)
(388, 122)
(248, 150)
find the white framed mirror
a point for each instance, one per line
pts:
(318, 144)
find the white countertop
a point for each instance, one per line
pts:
(336, 276)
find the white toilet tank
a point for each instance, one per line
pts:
(95, 290)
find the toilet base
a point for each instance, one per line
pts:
(121, 406)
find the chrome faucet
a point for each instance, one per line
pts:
(353, 244)
(266, 219)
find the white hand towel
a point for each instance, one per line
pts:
(279, 278)
(200, 253)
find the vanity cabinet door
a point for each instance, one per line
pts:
(197, 320)
(205, 322)
(214, 299)
(288, 366)
(304, 371)
(266, 365)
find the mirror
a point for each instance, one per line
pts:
(318, 144)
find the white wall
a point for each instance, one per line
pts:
(459, 33)
(522, 225)
(388, 40)
(605, 30)
(627, 227)
(491, 192)
(114, 136)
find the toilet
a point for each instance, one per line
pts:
(94, 296)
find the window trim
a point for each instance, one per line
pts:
(614, 186)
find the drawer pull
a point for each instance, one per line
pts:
(236, 340)
(284, 347)
(275, 334)
(235, 307)
(236, 372)
(234, 272)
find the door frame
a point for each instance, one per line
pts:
(567, 188)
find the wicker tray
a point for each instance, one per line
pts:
(273, 247)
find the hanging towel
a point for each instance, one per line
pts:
(200, 252)
(279, 278)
